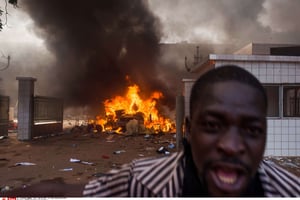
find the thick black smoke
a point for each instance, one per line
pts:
(97, 44)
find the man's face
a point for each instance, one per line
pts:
(227, 136)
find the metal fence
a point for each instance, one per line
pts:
(48, 116)
(4, 115)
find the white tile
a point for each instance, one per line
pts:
(277, 152)
(270, 130)
(254, 67)
(262, 69)
(298, 152)
(292, 138)
(292, 152)
(292, 145)
(277, 123)
(297, 68)
(270, 122)
(270, 68)
(262, 78)
(284, 70)
(285, 137)
(297, 79)
(270, 79)
(277, 144)
(270, 145)
(268, 152)
(277, 70)
(277, 130)
(284, 79)
(292, 122)
(291, 69)
(292, 130)
(277, 138)
(285, 123)
(285, 145)
(298, 138)
(284, 152)
(284, 130)
(271, 137)
(291, 79)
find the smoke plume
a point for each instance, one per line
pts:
(100, 47)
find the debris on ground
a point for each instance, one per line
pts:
(74, 160)
(24, 164)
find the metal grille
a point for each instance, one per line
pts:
(47, 109)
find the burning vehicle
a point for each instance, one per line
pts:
(131, 114)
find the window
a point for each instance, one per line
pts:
(273, 100)
(291, 101)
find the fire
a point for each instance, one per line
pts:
(131, 110)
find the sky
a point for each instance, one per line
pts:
(73, 49)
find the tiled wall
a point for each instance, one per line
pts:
(270, 72)
(283, 133)
(283, 137)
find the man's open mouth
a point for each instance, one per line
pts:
(228, 178)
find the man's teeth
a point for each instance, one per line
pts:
(228, 180)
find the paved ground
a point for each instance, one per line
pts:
(54, 157)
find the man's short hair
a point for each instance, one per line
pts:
(222, 74)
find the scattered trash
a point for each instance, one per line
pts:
(141, 155)
(5, 188)
(4, 159)
(66, 169)
(149, 148)
(119, 151)
(110, 138)
(74, 145)
(24, 164)
(147, 136)
(74, 160)
(3, 137)
(171, 146)
(105, 157)
(163, 150)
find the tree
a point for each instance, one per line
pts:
(5, 12)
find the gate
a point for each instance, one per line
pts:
(48, 116)
(4, 115)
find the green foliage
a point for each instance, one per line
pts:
(14, 3)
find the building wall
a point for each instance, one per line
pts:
(283, 133)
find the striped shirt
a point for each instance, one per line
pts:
(163, 177)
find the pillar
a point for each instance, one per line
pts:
(25, 107)
(179, 120)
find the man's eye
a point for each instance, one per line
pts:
(211, 126)
(253, 131)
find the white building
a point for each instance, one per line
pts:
(278, 68)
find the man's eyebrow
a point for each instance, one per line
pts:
(222, 116)
(213, 113)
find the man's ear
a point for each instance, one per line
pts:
(187, 129)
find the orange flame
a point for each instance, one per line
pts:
(132, 104)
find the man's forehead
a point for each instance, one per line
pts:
(231, 93)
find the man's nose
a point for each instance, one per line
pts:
(231, 142)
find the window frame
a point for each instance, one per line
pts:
(279, 102)
(296, 97)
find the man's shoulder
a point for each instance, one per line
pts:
(145, 163)
(277, 181)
